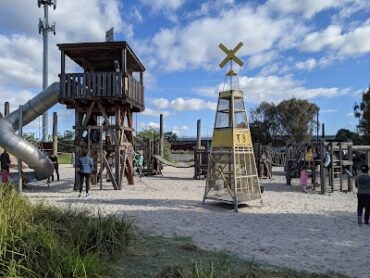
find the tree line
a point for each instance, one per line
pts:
(294, 120)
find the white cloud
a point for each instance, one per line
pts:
(161, 103)
(195, 44)
(76, 21)
(261, 59)
(153, 125)
(350, 114)
(210, 6)
(206, 91)
(192, 104)
(137, 15)
(312, 63)
(180, 129)
(328, 110)
(151, 112)
(275, 89)
(307, 8)
(15, 98)
(309, 64)
(163, 5)
(353, 42)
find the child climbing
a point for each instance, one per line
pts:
(304, 179)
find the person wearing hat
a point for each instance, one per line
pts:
(363, 194)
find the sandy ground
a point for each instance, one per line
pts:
(303, 231)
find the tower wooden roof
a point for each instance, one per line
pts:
(100, 56)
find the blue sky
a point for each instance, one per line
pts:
(313, 49)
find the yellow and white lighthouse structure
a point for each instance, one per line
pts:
(232, 174)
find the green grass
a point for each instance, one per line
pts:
(39, 241)
(64, 158)
(178, 257)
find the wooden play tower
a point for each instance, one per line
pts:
(104, 94)
(232, 174)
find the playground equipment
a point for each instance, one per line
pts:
(104, 98)
(201, 156)
(232, 174)
(36, 160)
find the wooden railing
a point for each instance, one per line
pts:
(134, 90)
(100, 84)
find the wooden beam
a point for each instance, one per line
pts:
(55, 133)
(109, 170)
(106, 119)
(85, 120)
(117, 149)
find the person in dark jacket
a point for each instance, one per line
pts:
(54, 159)
(363, 194)
(5, 163)
(84, 166)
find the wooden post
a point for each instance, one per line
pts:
(341, 167)
(117, 145)
(124, 61)
(322, 168)
(6, 108)
(331, 169)
(77, 146)
(350, 180)
(55, 133)
(149, 160)
(62, 62)
(101, 151)
(141, 78)
(197, 153)
(161, 137)
(20, 133)
(199, 135)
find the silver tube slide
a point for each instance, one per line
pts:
(19, 147)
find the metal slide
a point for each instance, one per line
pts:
(19, 147)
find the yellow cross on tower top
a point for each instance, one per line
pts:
(231, 54)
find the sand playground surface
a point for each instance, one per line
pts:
(312, 232)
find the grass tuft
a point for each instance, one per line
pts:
(40, 241)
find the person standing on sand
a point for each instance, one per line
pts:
(84, 166)
(54, 159)
(304, 179)
(363, 194)
(5, 163)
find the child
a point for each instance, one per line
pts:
(363, 194)
(304, 179)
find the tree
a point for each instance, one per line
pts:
(264, 125)
(30, 137)
(344, 135)
(66, 142)
(362, 112)
(296, 118)
(293, 118)
(149, 133)
(153, 134)
(170, 136)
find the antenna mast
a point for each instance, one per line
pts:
(44, 29)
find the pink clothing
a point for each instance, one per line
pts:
(303, 179)
(4, 176)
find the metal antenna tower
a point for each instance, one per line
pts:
(45, 28)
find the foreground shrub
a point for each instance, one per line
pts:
(36, 240)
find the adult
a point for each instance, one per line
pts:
(54, 159)
(5, 163)
(84, 166)
(363, 194)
